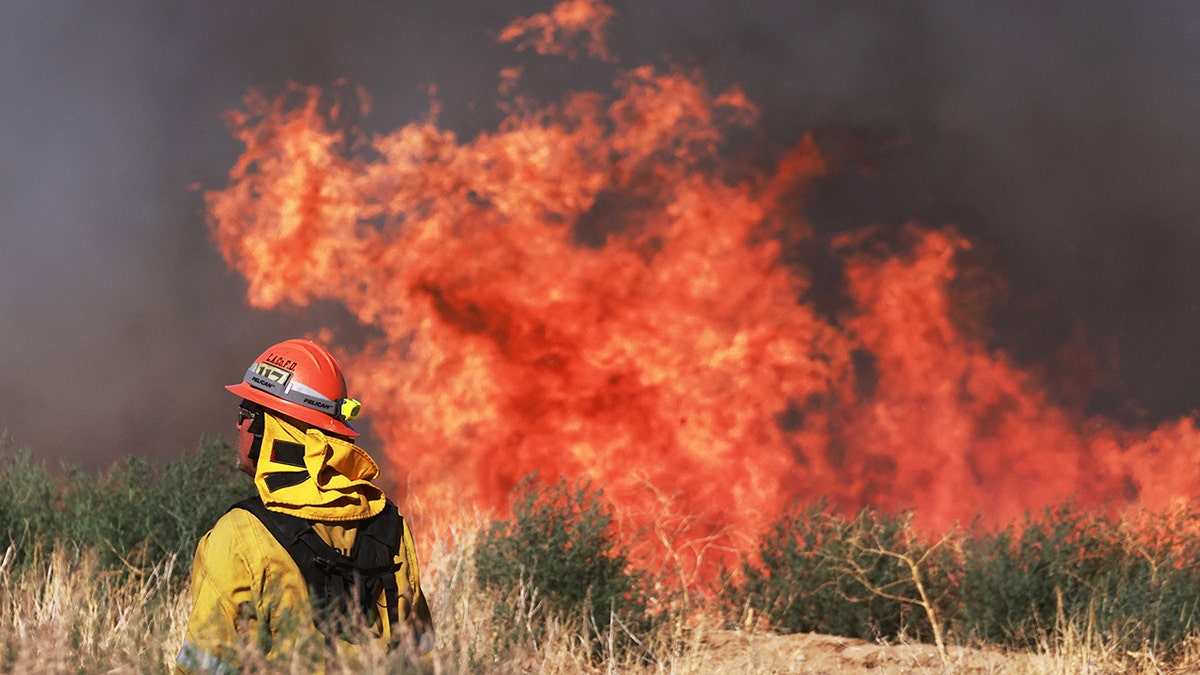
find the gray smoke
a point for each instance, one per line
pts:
(1060, 137)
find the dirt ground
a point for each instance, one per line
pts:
(808, 653)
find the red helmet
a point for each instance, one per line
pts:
(301, 379)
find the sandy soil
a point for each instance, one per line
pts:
(736, 652)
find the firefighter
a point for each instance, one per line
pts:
(282, 568)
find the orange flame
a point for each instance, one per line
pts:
(593, 291)
(552, 33)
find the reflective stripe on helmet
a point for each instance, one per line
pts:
(280, 383)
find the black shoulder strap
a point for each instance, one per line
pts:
(287, 529)
(375, 548)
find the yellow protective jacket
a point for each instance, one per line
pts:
(250, 602)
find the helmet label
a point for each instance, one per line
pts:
(269, 376)
(324, 405)
(283, 362)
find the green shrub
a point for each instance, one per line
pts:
(195, 490)
(819, 571)
(133, 515)
(28, 499)
(559, 548)
(1078, 565)
(1131, 586)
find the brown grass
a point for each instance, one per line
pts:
(63, 613)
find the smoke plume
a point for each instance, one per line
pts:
(1057, 143)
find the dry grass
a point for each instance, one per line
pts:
(63, 613)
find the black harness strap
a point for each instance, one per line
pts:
(339, 584)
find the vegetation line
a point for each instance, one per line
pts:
(94, 579)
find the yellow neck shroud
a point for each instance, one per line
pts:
(315, 476)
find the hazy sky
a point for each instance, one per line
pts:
(1061, 138)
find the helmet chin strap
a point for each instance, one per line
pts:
(255, 449)
(257, 428)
